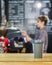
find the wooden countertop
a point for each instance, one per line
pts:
(25, 59)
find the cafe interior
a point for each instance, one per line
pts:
(17, 16)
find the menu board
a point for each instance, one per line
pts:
(15, 10)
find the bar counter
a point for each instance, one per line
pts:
(25, 59)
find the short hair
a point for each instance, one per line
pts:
(43, 19)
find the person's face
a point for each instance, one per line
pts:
(39, 23)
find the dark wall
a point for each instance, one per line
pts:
(50, 13)
(49, 50)
(0, 12)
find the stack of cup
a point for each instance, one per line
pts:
(38, 46)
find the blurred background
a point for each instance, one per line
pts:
(22, 15)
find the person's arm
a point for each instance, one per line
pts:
(28, 38)
(44, 39)
(46, 42)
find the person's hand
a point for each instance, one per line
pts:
(24, 33)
